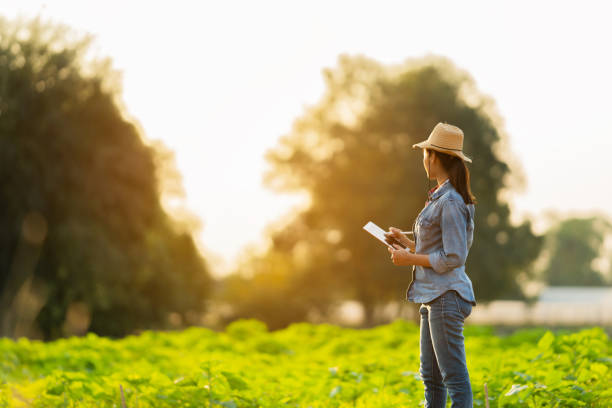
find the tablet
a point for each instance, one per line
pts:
(379, 234)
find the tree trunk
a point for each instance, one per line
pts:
(369, 315)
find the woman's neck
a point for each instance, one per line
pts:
(441, 179)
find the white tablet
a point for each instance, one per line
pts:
(379, 234)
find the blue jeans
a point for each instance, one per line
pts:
(443, 364)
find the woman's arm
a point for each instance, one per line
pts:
(401, 256)
(454, 249)
(419, 259)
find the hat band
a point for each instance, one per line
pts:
(442, 147)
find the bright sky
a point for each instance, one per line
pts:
(220, 82)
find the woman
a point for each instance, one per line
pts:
(443, 233)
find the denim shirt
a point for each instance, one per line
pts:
(444, 229)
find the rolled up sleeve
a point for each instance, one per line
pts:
(454, 250)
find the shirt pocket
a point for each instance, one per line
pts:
(427, 226)
(426, 221)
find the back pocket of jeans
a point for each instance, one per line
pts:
(464, 306)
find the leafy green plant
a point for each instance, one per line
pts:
(304, 365)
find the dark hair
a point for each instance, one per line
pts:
(458, 174)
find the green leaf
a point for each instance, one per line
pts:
(546, 341)
(56, 389)
(599, 368)
(234, 381)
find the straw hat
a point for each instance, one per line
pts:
(447, 139)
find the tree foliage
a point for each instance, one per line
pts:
(572, 246)
(81, 218)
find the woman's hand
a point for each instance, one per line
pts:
(401, 238)
(400, 256)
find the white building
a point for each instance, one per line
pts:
(556, 305)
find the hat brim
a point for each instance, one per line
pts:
(425, 144)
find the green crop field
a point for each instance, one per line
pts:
(304, 365)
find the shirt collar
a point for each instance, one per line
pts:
(436, 192)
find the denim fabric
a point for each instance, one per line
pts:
(444, 229)
(443, 364)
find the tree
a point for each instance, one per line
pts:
(352, 154)
(266, 290)
(572, 246)
(81, 219)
